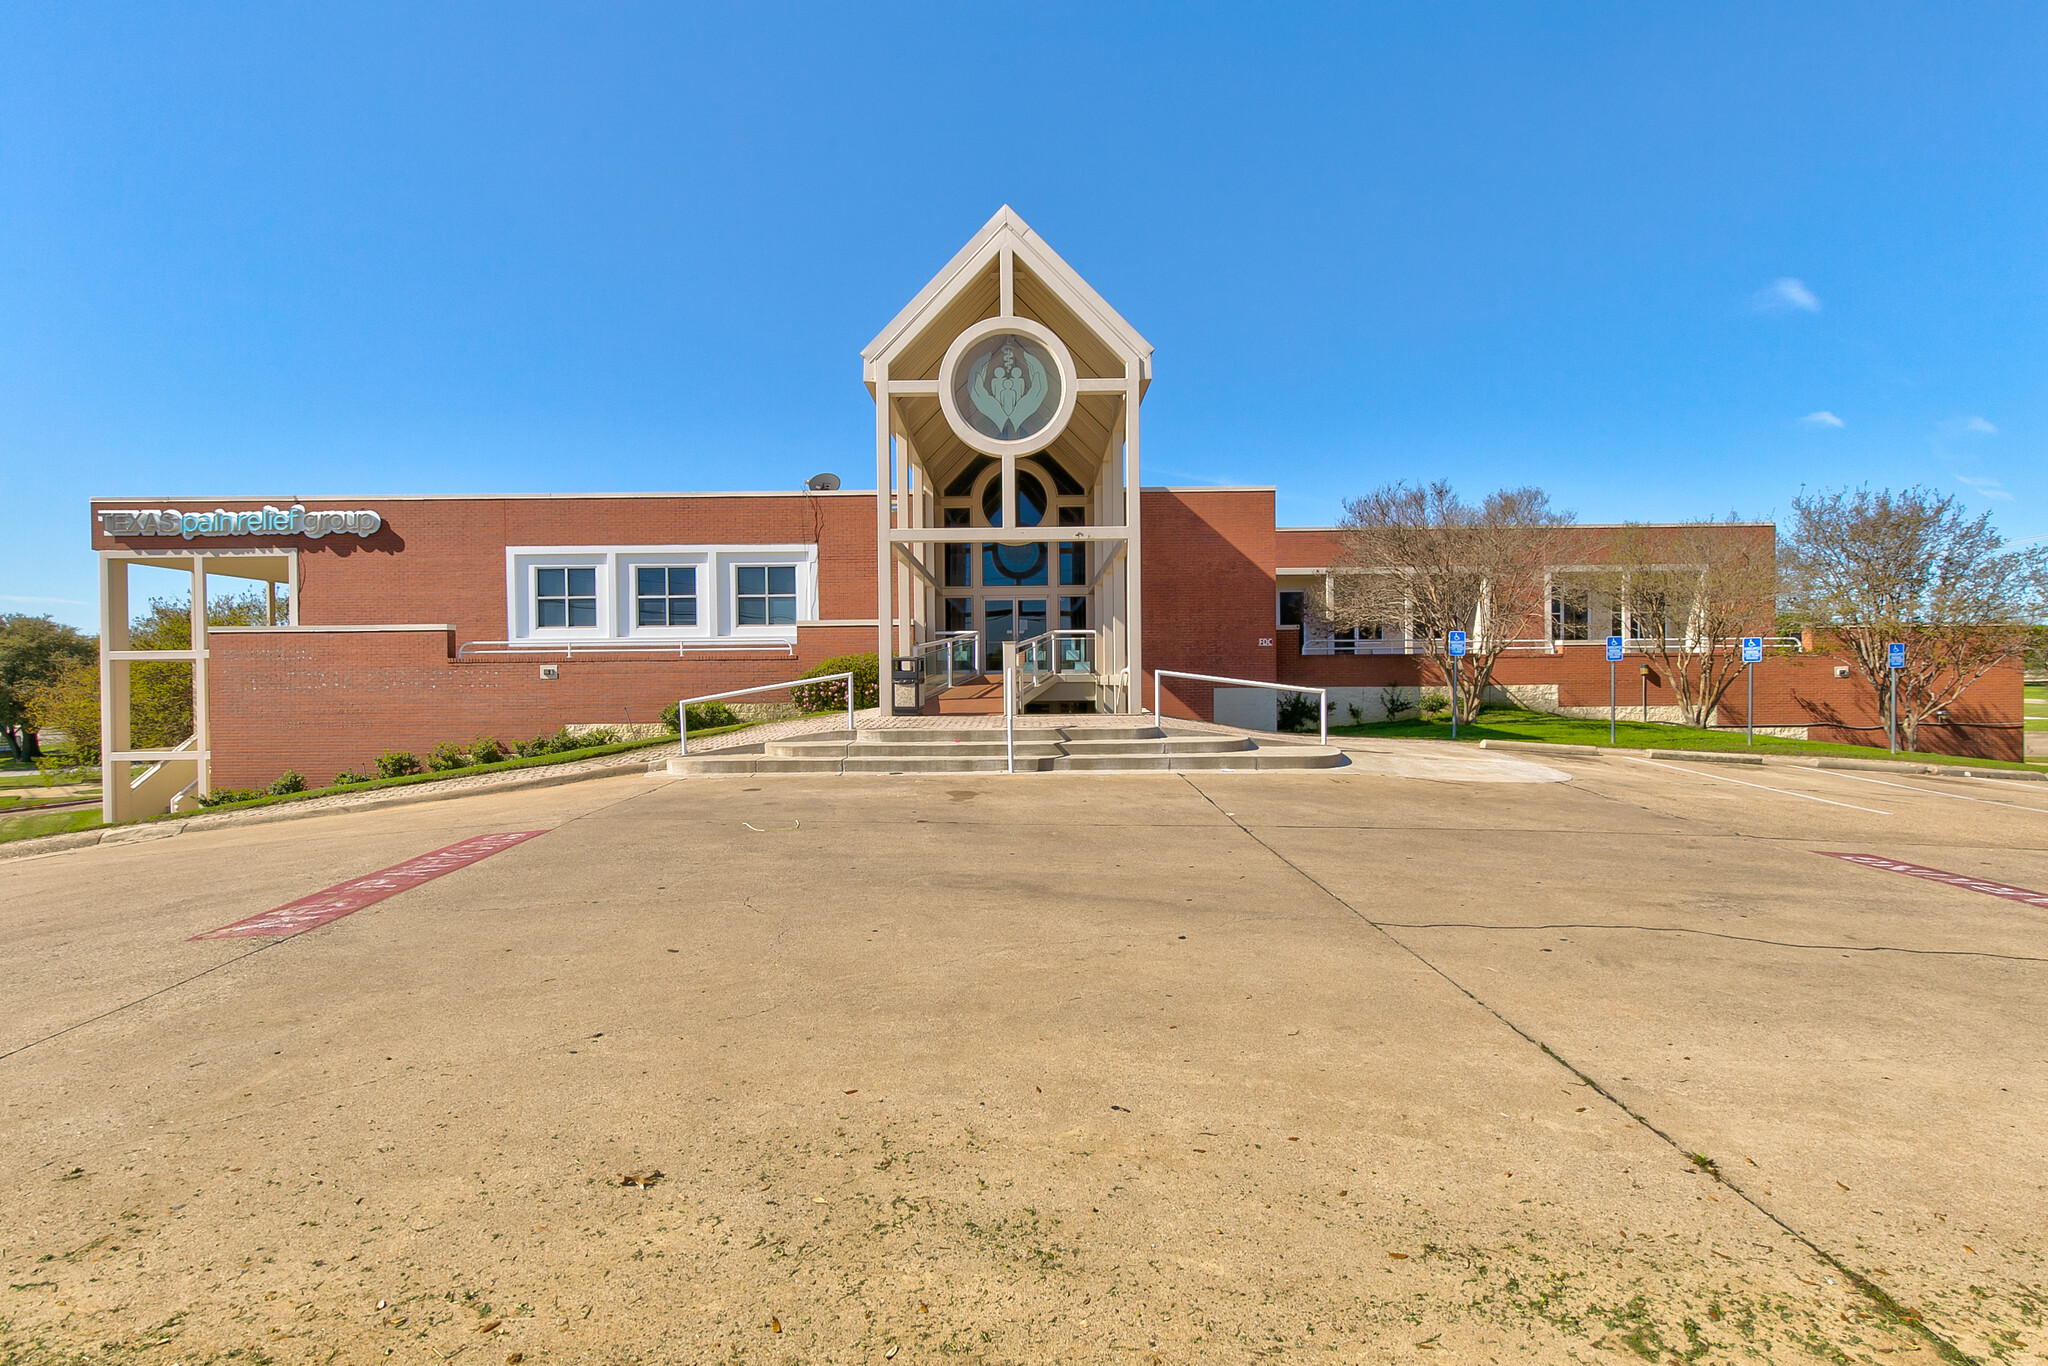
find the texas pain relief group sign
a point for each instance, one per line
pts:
(269, 521)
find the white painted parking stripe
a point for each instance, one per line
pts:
(1761, 787)
(1930, 792)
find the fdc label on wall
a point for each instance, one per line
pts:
(270, 521)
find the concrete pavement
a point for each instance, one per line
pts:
(1399, 1062)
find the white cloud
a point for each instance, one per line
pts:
(1785, 295)
(54, 602)
(1823, 418)
(1989, 488)
(1979, 425)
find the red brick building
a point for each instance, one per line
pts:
(1007, 510)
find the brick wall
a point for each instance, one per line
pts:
(321, 702)
(1208, 588)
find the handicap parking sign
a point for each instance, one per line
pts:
(1456, 640)
(1613, 648)
(1752, 649)
(1895, 655)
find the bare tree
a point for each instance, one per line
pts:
(1691, 593)
(1425, 560)
(1873, 568)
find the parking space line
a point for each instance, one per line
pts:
(2003, 890)
(1761, 787)
(346, 898)
(1931, 792)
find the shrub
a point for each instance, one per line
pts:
(558, 742)
(703, 716)
(1395, 701)
(396, 763)
(447, 755)
(1432, 705)
(1298, 711)
(867, 684)
(486, 750)
(224, 796)
(291, 780)
(349, 778)
(591, 739)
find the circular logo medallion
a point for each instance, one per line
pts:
(1007, 386)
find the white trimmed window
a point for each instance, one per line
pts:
(664, 595)
(764, 595)
(565, 596)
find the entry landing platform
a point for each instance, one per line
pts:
(965, 748)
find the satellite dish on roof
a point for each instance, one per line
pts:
(822, 483)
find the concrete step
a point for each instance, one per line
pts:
(747, 764)
(966, 749)
(1169, 744)
(925, 763)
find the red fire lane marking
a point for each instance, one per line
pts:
(1963, 880)
(349, 897)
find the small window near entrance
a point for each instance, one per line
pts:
(665, 595)
(1291, 606)
(767, 595)
(565, 597)
(1073, 614)
(959, 614)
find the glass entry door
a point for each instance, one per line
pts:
(1008, 619)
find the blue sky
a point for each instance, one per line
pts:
(1663, 261)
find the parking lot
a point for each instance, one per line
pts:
(1447, 1055)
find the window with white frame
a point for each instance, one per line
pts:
(764, 595)
(664, 595)
(564, 596)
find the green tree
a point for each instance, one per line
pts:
(71, 703)
(160, 695)
(34, 651)
(1869, 568)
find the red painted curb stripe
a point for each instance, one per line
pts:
(1963, 880)
(346, 898)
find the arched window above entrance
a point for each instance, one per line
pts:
(1030, 500)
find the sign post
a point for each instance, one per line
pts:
(1455, 643)
(1752, 652)
(1895, 657)
(1613, 658)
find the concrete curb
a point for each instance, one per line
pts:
(424, 792)
(1713, 756)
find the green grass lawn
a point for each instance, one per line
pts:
(2036, 706)
(1507, 723)
(46, 823)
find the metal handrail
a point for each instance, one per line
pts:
(1009, 706)
(950, 642)
(1322, 694)
(683, 707)
(521, 648)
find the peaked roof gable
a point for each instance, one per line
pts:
(1006, 228)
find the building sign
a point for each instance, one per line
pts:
(268, 521)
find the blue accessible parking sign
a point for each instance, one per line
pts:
(1613, 649)
(1895, 655)
(1752, 649)
(1456, 642)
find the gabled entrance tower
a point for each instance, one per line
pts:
(1006, 468)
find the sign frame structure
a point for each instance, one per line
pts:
(1895, 660)
(1616, 647)
(1752, 655)
(1454, 645)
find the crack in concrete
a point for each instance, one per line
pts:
(1900, 1314)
